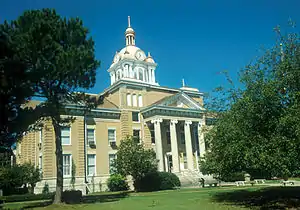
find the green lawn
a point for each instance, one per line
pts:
(192, 199)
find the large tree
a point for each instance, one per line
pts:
(61, 53)
(15, 90)
(258, 131)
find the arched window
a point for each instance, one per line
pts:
(141, 75)
(134, 100)
(140, 99)
(135, 76)
(128, 99)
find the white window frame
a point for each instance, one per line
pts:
(129, 99)
(115, 140)
(134, 100)
(109, 166)
(70, 170)
(41, 137)
(95, 171)
(140, 133)
(87, 140)
(139, 118)
(70, 142)
(140, 100)
(41, 163)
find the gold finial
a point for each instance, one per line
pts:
(129, 22)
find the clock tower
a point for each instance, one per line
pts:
(131, 63)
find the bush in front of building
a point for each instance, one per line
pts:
(117, 182)
(155, 181)
(72, 196)
(134, 160)
(27, 197)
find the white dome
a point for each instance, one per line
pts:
(129, 30)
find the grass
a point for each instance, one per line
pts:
(257, 197)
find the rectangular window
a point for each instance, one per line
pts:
(90, 136)
(128, 99)
(135, 117)
(111, 135)
(67, 164)
(140, 101)
(41, 137)
(41, 163)
(65, 136)
(136, 135)
(152, 135)
(91, 165)
(134, 100)
(111, 159)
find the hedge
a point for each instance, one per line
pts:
(157, 181)
(27, 197)
(72, 196)
(117, 182)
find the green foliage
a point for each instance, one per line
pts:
(117, 182)
(12, 178)
(46, 188)
(27, 197)
(257, 130)
(73, 175)
(155, 181)
(72, 196)
(15, 90)
(60, 53)
(133, 159)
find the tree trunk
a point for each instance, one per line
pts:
(59, 161)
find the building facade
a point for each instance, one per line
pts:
(169, 120)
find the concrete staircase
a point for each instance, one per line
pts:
(190, 178)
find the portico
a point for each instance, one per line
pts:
(179, 139)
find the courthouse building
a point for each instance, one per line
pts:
(169, 120)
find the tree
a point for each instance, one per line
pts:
(61, 54)
(134, 160)
(31, 174)
(257, 132)
(15, 91)
(73, 175)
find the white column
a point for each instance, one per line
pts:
(197, 161)
(112, 78)
(188, 144)
(150, 77)
(201, 137)
(153, 75)
(158, 143)
(137, 73)
(144, 75)
(174, 146)
(130, 71)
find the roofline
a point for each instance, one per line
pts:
(171, 108)
(107, 110)
(123, 82)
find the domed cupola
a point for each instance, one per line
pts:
(131, 63)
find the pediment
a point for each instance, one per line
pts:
(180, 100)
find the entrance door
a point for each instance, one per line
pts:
(169, 163)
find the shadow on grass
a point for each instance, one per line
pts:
(93, 198)
(266, 198)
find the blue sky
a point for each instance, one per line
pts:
(193, 40)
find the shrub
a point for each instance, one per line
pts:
(72, 196)
(117, 182)
(27, 197)
(157, 181)
(46, 188)
(238, 176)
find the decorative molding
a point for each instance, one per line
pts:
(173, 122)
(188, 122)
(201, 122)
(157, 120)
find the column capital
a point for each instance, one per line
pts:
(201, 122)
(188, 122)
(157, 120)
(173, 122)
